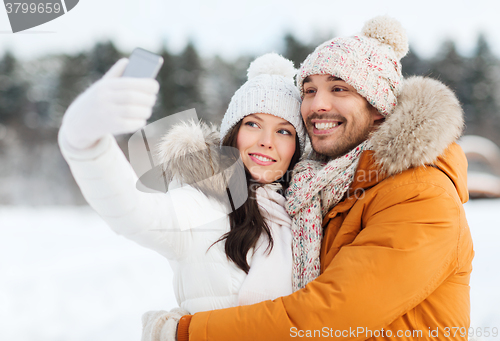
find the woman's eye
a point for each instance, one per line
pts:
(338, 89)
(309, 91)
(284, 132)
(251, 124)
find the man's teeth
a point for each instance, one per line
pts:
(324, 126)
(262, 158)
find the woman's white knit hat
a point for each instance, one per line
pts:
(269, 90)
(369, 62)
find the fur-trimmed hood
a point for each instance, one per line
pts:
(427, 119)
(191, 154)
(185, 151)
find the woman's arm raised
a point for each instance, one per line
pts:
(115, 105)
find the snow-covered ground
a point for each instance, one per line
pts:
(483, 217)
(64, 275)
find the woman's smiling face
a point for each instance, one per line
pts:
(266, 144)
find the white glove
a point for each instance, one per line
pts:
(161, 325)
(111, 105)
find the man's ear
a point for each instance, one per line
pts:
(376, 115)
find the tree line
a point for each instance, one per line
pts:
(34, 95)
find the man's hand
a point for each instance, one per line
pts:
(161, 325)
(111, 105)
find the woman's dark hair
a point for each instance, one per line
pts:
(247, 223)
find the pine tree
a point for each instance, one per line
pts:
(73, 80)
(453, 70)
(295, 50)
(220, 83)
(13, 91)
(484, 87)
(165, 104)
(413, 65)
(102, 57)
(187, 77)
(450, 67)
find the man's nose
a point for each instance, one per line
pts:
(321, 102)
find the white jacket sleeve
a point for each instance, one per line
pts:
(108, 183)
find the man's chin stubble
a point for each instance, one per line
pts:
(338, 151)
(335, 153)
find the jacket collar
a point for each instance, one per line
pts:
(452, 162)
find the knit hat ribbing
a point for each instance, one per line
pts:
(269, 90)
(370, 62)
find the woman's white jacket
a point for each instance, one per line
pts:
(184, 223)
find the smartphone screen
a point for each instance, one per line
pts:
(143, 64)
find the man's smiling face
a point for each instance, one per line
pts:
(337, 118)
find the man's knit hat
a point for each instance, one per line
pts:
(269, 90)
(369, 62)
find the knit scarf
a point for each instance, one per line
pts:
(315, 188)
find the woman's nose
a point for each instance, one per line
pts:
(266, 140)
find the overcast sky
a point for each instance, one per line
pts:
(230, 28)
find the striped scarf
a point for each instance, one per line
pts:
(314, 189)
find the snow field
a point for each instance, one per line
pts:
(66, 276)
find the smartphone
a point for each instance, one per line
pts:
(143, 64)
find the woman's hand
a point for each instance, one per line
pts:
(111, 105)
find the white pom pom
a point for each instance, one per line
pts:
(271, 64)
(388, 31)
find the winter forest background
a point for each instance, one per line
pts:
(35, 93)
(65, 276)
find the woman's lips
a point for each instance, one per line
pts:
(255, 157)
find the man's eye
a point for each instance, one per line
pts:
(338, 89)
(309, 91)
